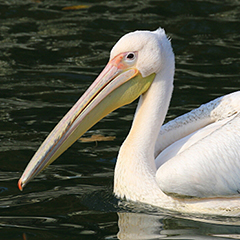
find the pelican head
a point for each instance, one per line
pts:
(134, 62)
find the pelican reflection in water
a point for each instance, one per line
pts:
(191, 164)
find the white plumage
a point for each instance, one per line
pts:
(192, 161)
(190, 164)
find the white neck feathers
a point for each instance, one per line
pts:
(135, 169)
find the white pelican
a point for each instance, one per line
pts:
(190, 164)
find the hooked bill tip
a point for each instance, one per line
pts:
(20, 185)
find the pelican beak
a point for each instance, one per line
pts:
(119, 84)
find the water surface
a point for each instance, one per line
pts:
(49, 54)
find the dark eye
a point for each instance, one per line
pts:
(130, 56)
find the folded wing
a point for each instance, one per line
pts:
(207, 167)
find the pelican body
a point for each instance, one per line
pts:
(191, 164)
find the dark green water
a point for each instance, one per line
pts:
(48, 57)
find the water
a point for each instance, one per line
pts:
(49, 54)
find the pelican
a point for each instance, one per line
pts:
(191, 164)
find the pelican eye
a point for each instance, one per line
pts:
(130, 56)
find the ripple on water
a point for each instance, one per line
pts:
(48, 57)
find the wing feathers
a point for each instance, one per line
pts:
(218, 109)
(208, 168)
